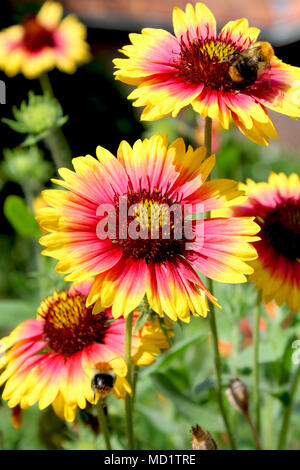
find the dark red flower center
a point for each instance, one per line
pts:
(157, 223)
(36, 36)
(208, 60)
(281, 228)
(69, 326)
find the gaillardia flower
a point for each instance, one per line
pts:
(55, 358)
(195, 67)
(155, 188)
(42, 42)
(276, 206)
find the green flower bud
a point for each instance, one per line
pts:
(26, 165)
(37, 117)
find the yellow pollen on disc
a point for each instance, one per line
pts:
(217, 49)
(65, 311)
(152, 215)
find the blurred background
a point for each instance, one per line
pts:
(99, 113)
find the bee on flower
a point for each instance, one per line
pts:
(222, 75)
(67, 357)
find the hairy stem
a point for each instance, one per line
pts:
(103, 424)
(59, 148)
(254, 431)
(56, 141)
(129, 399)
(256, 381)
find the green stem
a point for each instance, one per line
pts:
(46, 85)
(256, 384)
(128, 398)
(288, 411)
(59, 148)
(103, 424)
(218, 368)
(134, 382)
(269, 430)
(56, 141)
(38, 258)
(212, 319)
(208, 136)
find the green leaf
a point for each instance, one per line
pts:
(14, 125)
(204, 385)
(194, 412)
(176, 352)
(245, 358)
(20, 217)
(140, 321)
(282, 396)
(158, 420)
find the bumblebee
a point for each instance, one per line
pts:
(103, 382)
(249, 64)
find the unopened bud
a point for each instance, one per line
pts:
(237, 395)
(202, 440)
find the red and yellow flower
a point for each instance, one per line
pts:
(53, 359)
(152, 175)
(276, 206)
(42, 42)
(192, 67)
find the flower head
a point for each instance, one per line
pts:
(56, 358)
(148, 243)
(195, 67)
(276, 206)
(42, 42)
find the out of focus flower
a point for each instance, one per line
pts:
(271, 309)
(276, 206)
(225, 348)
(58, 357)
(42, 42)
(247, 331)
(37, 117)
(26, 166)
(156, 187)
(195, 67)
(202, 440)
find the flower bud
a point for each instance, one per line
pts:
(26, 166)
(202, 440)
(237, 395)
(37, 117)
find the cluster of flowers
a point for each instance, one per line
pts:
(253, 229)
